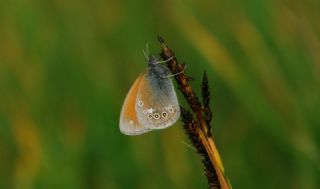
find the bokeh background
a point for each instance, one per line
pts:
(65, 68)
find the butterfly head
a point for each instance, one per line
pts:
(152, 60)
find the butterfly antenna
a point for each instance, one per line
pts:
(146, 52)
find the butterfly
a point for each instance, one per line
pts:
(151, 103)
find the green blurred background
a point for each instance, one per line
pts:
(65, 68)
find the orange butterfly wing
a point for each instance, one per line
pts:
(129, 123)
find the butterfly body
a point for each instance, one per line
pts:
(151, 102)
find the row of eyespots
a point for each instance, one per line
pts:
(157, 116)
(164, 114)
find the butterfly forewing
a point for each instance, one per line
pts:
(157, 105)
(129, 123)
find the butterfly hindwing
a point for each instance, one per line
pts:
(157, 105)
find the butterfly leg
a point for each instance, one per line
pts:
(172, 75)
(164, 61)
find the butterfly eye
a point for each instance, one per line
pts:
(140, 103)
(164, 114)
(156, 116)
(149, 116)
